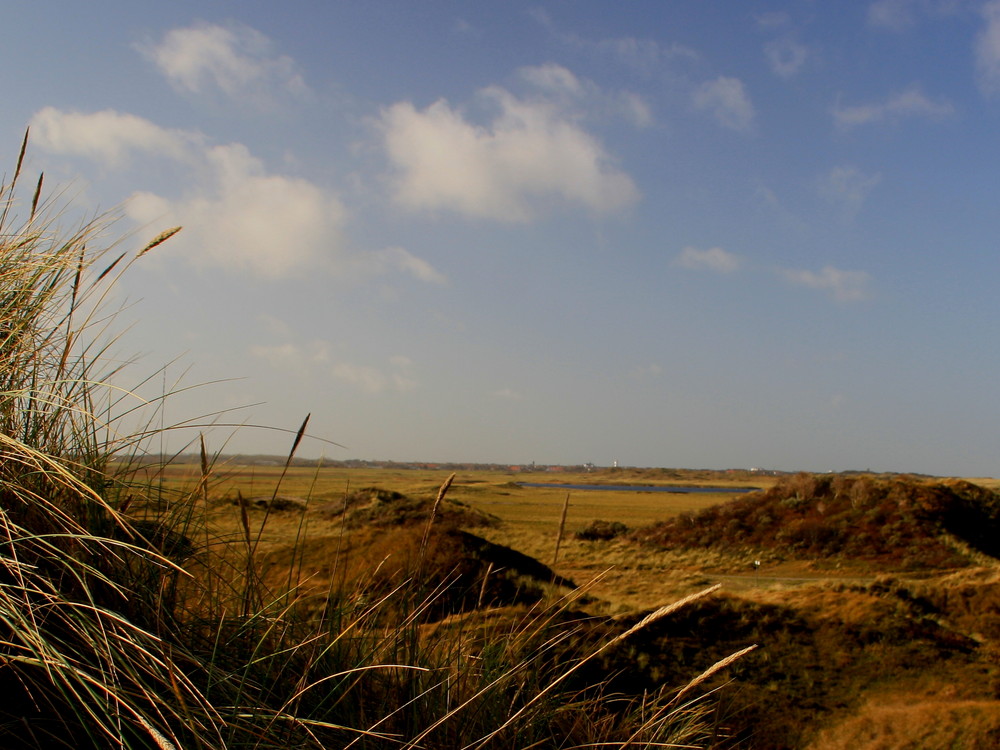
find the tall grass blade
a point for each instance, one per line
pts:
(562, 529)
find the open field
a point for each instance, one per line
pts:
(840, 638)
(620, 573)
(529, 516)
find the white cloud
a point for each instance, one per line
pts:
(785, 56)
(849, 186)
(552, 77)
(108, 137)
(641, 54)
(635, 108)
(844, 286)
(773, 20)
(564, 89)
(532, 151)
(912, 102)
(901, 15)
(236, 60)
(768, 199)
(236, 214)
(292, 357)
(242, 217)
(713, 259)
(988, 50)
(368, 379)
(893, 15)
(400, 259)
(375, 380)
(727, 100)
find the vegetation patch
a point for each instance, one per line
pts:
(601, 531)
(374, 506)
(276, 502)
(819, 654)
(897, 522)
(452, 569)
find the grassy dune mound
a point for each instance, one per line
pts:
(457, 571)
(824, 653)
(918, 724)
(374, 506)
(898, 521)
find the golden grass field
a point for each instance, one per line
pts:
(854, 688)
(624, 577)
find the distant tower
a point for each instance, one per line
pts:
(615, 463)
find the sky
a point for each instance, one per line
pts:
(676, 234)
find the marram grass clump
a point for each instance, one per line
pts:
(124, 623)
(81, 661)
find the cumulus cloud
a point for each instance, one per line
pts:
(714, 259)
(374, 380)
(236, 60)
(236, 214)
(843, 286)
(785, 56)
(533, 150)
(108, 137)
(848, 186)
(988, 50)
(726, 99)
(911, 102)
(400, 259)
(564, 89)
(554, 78)
(293, 357)
(243, 217)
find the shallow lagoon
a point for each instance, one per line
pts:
(683, 489)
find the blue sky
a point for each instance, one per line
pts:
(696, 234)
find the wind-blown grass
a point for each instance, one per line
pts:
(124, 624)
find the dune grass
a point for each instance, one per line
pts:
(125, 621)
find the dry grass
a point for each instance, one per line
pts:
(829, 636)
(917, 725)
